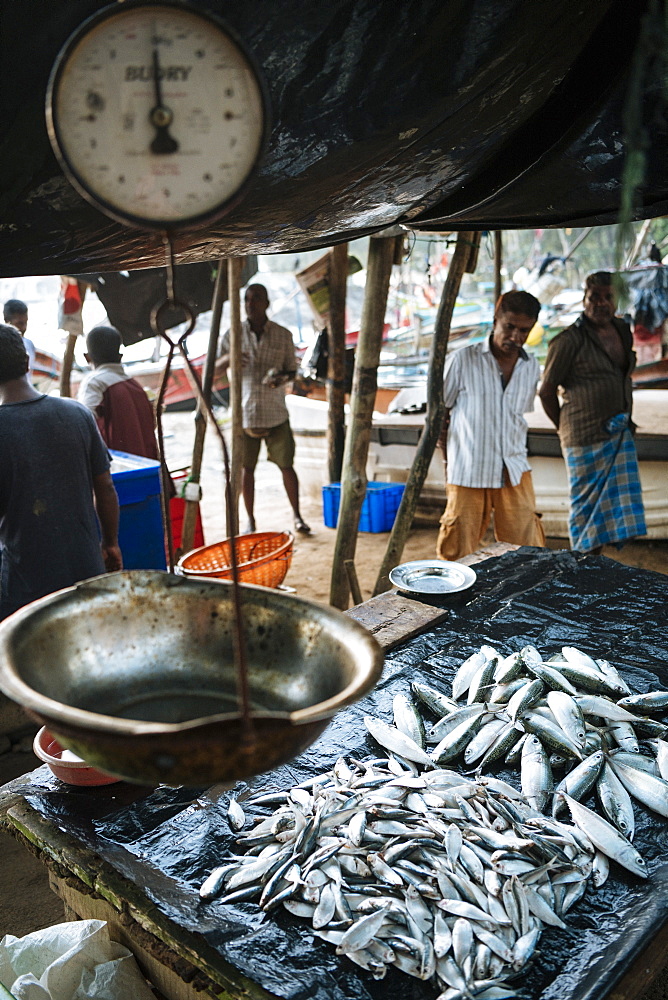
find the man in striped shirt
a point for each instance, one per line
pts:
(592, 361)
(487, 389)
(268, 362)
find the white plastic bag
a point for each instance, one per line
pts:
(70, 961)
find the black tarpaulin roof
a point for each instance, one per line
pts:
(433, 113)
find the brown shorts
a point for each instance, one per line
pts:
(280, 447)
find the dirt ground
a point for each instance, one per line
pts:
(26, 902)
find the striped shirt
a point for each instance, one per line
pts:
(595, 389)
(262, 406)
(487, 431)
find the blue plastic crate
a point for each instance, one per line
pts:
(140, 531)
(379, 507)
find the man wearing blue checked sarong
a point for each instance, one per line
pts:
(592, 362)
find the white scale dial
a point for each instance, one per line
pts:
(156, 114)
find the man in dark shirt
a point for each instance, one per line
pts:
(122, 409)
(52, 463)
(592, 361)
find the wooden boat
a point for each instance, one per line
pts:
(179, 394)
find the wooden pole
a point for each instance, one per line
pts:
(353, 484)
(68, 360)
(234, 268)
(336, 345)
(191, 506)
(435, 410)
(351, 573)
(498, 263)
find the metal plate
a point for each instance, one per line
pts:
(432, 576)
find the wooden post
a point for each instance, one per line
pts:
(336, 345)
(435, 410)
(353, 484)
(68, 360)
(498, 262)
(191, 506)
(234, 268)
(353, 582)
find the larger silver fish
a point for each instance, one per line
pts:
(615, 801)
(607, 838)
(646, 788)
(579, 781)
(408, 720)
(536, 774)
(396, 742)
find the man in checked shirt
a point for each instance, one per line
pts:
(592, 361)
(487, 389)
(268, 363)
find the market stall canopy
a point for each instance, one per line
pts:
(431, 114)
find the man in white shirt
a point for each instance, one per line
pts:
(487, 389)
(15, 312)
(268, 363)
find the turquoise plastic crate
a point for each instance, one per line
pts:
(379, 507)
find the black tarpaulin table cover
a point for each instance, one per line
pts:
(169, 841)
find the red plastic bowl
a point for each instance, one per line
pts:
(74, 772)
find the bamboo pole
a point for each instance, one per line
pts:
(498, 263)
(353, 484)
(191, 506)
(336, 346)
(435, 410)
(66, 370)
(234, 269)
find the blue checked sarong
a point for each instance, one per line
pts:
(606, 497)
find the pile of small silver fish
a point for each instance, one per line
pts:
(568, 712)
(447, 878)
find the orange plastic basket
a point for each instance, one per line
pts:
(263, 558)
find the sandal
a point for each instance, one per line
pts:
(302, 527)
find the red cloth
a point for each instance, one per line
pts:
(125, 419)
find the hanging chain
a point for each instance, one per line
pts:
(159, 328)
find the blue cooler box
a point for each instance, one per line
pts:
(140, 532)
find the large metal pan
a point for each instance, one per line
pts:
(134, 672)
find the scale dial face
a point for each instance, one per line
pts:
(156, 114)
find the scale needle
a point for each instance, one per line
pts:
(161, 116)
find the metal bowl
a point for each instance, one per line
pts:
(134, 672)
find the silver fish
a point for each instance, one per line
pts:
(362, 932)
(597, 705)
(524, 698)
(550, 734)
(579, 781)
(407, 719)
(213, 885)
(652, 701)
(569, 715)
(536, 774)
(600, 869)
(395, 741)
(235, 815)
(646, 788)
(326, 908)
(607, 838)
(436, 701)
(466, 672)
(662, 758)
